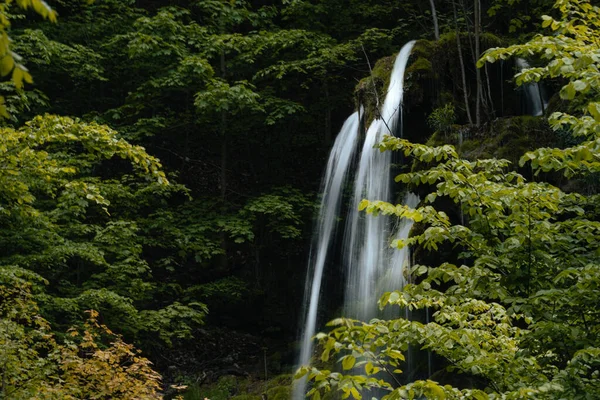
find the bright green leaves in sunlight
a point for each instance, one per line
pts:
(77, 231)
(28, 164)
(10, 61)
(86, 362)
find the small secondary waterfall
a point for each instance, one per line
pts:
(533, 92)
(372, 266)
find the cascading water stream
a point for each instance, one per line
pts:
(367, 256)
(533, 92)
(336, 177)
(394, 278)
(366, 242)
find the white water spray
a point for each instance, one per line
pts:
(395, 276)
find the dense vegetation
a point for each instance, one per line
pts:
(199, 259)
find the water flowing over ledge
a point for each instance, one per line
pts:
(371, 266)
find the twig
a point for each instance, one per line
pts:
(372, 80)
(375, 93)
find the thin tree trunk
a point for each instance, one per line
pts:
(502, 88)
(489, 92)
(223, 139)
(436, 27)
(462, 65)
(468, 30)
(477, 23)
(481, 100)
(223, 178)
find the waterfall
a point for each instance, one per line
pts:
(535, 101)
(336, 177)
(395, 277)
(366, 241)
(366, 253)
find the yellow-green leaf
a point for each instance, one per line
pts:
(348, 362)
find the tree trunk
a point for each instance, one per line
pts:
(492, 109)
(502, 88)
(223, 178)
(462, 65)
(436, 28)
(223, 132)
(477, 23)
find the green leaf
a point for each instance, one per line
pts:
(6, 65)
(547, 21)
(348, 362)
(579, 85)
(594, 110)
(568, 92)
(363, 204)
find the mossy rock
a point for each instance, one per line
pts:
(423, 48)
(373, 88)
(431, 75)
(422, 55)
(279, 393)
(383, 69)
(509, 138)
(246, 397)
(422, 66)
(280, 380)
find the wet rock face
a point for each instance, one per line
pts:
(370, 91)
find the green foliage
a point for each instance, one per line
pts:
(242, 388)
(220, 96)
(442, 118)
(174, 321)
(569, 52)
(10, 62)
(74, 228)
(91, 362)
(521, 16)
(220, 390)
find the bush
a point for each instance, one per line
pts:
(442, 118)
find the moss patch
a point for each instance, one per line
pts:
(509, 138)
(242, 388)
(421, 65)
(373, 87)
